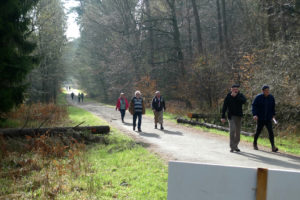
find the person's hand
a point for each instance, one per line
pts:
(255, 117)
(223, 120)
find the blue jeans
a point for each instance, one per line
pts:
(122, 114)
(139, 116)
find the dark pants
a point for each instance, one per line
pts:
(139, 116)
(122, 114)
(260, 126)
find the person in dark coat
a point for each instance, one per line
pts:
(79, 97)
(233, 103)
(72, 95)
(82, 96)
(263, 110)
(158, 106)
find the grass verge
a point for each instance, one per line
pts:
(118, 168)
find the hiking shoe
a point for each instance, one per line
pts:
(161, 128)
(274, 149)
(237, 150)
(155, 126)
(140, 130)
(231, 150)
(255, 147)
(134, 128)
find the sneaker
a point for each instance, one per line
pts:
(155, 126)
(274, 149)
(255, 146)
(237, 150)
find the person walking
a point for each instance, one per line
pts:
(79, 96)
(82, 96)
(72, 95)
(233, 103)
(158, 107)
(137, 109)
(263, 110)
(122, 105)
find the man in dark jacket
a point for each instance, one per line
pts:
(263, 110)
(158, 107)
(233, 103)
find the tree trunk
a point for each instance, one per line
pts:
(151, 38)
(13, 132)
(220, 27)
(190, 46)
(225, 25)
(198, 27)
(176, 35)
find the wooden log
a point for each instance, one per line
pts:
(207, 125)
(13, 132)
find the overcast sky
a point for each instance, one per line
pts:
(73, 28)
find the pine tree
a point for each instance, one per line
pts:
(16, 60)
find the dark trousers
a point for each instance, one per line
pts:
(139, 116)
(122, 114)
(260, 126)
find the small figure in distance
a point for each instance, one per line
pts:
(137, 109)
(158, 107)
(79, 96)
(263, 110)
(233, 103)
(82, 96)
(122, 105)
(72, 95)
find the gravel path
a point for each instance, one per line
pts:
(182, 143)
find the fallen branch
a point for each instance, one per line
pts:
(207, 125)
(13, 132)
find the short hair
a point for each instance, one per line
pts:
(265, 87)
(235, 86)
(137, 92)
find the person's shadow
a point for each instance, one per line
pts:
(145, 134)
(127, 124)
(172, 132)
(272, 161)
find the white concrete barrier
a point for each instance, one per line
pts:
(195, 181)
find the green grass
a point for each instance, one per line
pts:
(117, 169)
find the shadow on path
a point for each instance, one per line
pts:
(271, 161)
(172, 132)
(145, 134)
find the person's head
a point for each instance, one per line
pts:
(122, 95)
(235, 88)
(137, 94)
(157, 94)
(266, 90)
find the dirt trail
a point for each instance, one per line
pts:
(177, 142)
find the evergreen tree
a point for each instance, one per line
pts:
(16, 60)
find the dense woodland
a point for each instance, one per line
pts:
(191, 50)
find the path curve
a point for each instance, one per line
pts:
(182, 143)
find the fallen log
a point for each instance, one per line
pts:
(207, 125)
(14, 132)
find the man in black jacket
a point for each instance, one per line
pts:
(158, 107)
(233, 103)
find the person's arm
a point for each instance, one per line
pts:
(241, 98)
(118, 104)
(255, 108)
(273, 107)
(152, 104)
(225, 106)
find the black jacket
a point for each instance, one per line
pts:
(155, 104)
(263, 107)
(234, 105)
